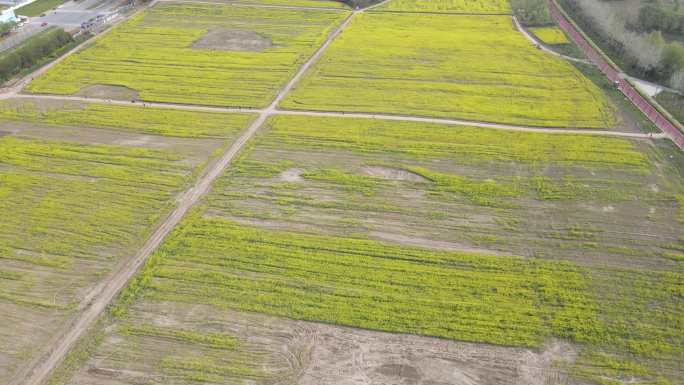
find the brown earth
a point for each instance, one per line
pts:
(307, 353)
(107, 91)
(233, 40)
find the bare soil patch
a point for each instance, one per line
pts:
(308, 353)
(194, 149)
(291, 175)
(392, 174)
(429, 243)
(107, 91)
(233, 40)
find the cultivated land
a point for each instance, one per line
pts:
(550, 35)
(78, 198)
(197, 53)
(322, 220)
(430, 73)
(448, 6)
(289, 3)
(343, 249)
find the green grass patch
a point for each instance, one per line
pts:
(673, 103)
(38, 7)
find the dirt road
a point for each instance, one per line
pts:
(272, 110)
(118, 280)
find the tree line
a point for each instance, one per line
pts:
(653, 17)
(640, 51)
(32, 51)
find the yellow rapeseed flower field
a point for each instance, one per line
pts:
(255, 50)
(550, 35)
(469, 67)
(448, 6)
(297, 3)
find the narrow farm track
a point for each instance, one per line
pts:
(455, 122)
(141, 104)
(108, 290)
(273, 110)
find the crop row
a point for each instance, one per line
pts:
(371, 285)
(155, 121)
(465, 144)
(447, 6)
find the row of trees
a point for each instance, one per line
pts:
(655, 18)
(643, 54)
(6, 27)
(32, 51)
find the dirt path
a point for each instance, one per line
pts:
(173, 106)
(273, 110)
(118, 280)
(456, 122)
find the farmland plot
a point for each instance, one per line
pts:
(536, 195)
(550, 35)
(288, 3)
(211, 54)
(470, 67)
(448, 6)
(409, 228)
(77, 199)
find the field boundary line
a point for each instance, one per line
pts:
(142, 104)
(456, 122)
(107, 290)
(356, 115)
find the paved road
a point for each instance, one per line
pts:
(116, 282)
(71, 14)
